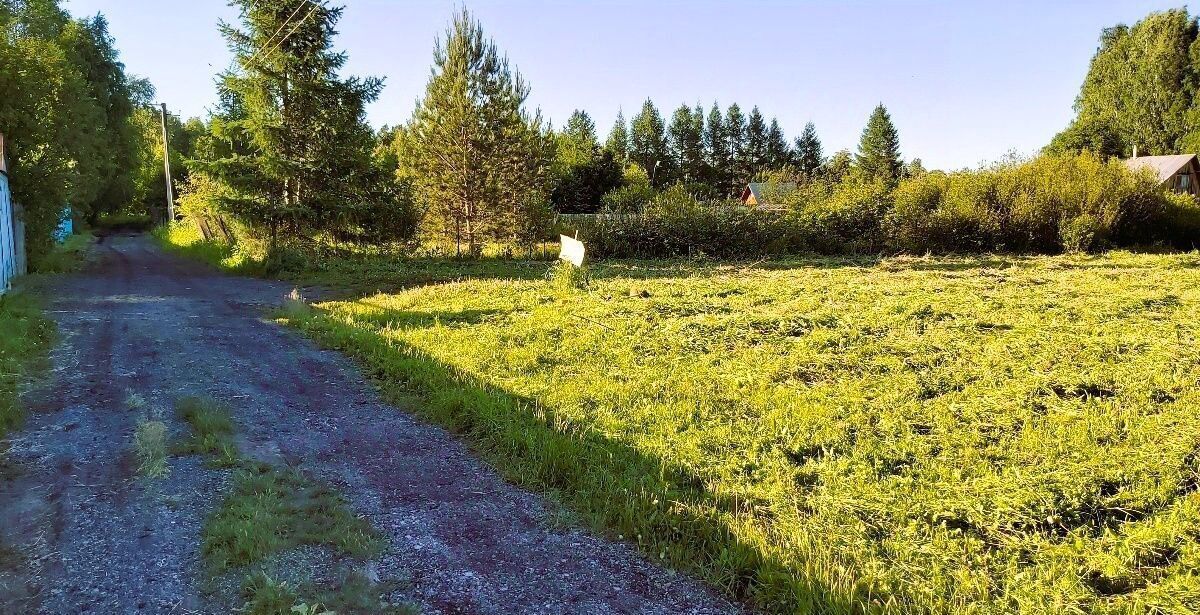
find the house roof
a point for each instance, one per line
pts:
(763, 192)
(1164, 167)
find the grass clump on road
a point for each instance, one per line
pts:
(272, 510)
(938, 435)
(212, 431)
(25, 339)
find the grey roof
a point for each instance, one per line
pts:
(764, 193)
(1164, 167)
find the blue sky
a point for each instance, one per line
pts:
(966, 81)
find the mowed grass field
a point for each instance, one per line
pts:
(975, 435)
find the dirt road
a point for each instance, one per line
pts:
(92, 536)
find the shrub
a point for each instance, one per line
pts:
(1047, 205)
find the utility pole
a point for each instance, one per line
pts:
(167, 167)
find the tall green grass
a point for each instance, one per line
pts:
(971, 435)
(25, 338)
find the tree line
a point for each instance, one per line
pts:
(1141, 92)
(289, 155)
(69, 112)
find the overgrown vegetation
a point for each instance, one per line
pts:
(67, 115)
(1049, 204)
(66, 257)
(904, 435)
(25, 338)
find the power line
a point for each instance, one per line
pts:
(316, 5)
(271, 39)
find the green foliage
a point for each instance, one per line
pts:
(648, 146)
(1140, 90)
(1049, 204)
(150, 446)
(778, 155)
(66, 115)
(879, 150)
(809, 155)
(479, 162)
(212, 431)
(583, 170)
(756, 143)
(633, 195)
(719, 153)
(740, 164)
(271, 511)
(290, 144)
(25, 338)
(618, 140)
(686, 138)
(66, 257)
(838, 436)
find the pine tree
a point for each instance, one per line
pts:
(809, 155)
(618, 140)
(717, 151)
(756, 142)
(648, 145)
(740, 167)
(778, 153)
(879, 150)
(301, 155)
(480, 163)
(687, 145)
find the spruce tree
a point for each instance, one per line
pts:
(584, 171)
(300, 155)
(687, 145)
(879, 150)
(756, 142)
(778, 153)
(717, 151)
(809, 155)
(618, 140)
(577, 140)
(740, 167)
(648, 145)
(479, 162)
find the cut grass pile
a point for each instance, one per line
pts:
(951, 435)
(150, 446)
(25, 339)
(270, 511)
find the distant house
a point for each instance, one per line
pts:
(1180, 173)
(768, 196)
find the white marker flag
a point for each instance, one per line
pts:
(571, 250)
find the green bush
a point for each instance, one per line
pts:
(1046, 205)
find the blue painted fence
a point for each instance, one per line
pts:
(9, 257)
